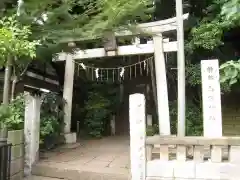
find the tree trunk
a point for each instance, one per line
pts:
(7, 80)
(13, 87)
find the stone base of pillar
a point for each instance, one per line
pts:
(149, 120)
(113, 126)
(70, 138)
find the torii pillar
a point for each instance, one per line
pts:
(70, 137)
(162, 89)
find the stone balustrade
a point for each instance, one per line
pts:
(182, 158)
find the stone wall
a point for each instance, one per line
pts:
(231, 121)
(16, 138)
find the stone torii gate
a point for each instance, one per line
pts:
(157, 47)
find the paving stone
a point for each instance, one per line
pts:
(119, 163)
(122, 171)
(112, 165)
(121, 159)
(89, 161)
(106, 157)
(97, 164)
(80, 161)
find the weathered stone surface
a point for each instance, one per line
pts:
(234, 155)
(16, 137)
(194, 140)
(184, 169)
(192, 171)
(17, 151)
(158, 168)
(106, 158)
(181, 153)
(198, 153)
(70, 138)
(231, 121)
(31, 131)
(209, 170)
(40, 178)
(164, 152)
(18, 176)
(216, 154)
(17, 165)
(137, 122)
(75, 174)
(149, 149)
(68, 92)
(159, 178)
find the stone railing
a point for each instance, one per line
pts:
(193, 158)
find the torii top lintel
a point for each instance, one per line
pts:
(152, 28)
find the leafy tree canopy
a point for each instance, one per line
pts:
(206, 39)
(220, 16)
(14, 40)
(53, 20)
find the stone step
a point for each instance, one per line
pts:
(70, 174)
(61, 149)
(41, 178)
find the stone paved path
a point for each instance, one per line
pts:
(104, 157)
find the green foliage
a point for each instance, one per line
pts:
(206, 39)
(230, 10)
(4, 113)
(51, 123)
(207, 36)
(98, 112)
(194, 121)
(220, 16)
(14, 40)
(152, 130)
(194, 126)
(81, 19)
(13, 114)
(193, 74)
(230, 72)
(101, 101)
(114, 13)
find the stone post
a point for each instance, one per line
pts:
(137, 121)
(67, 95)
(31, 131)
(211, 96)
